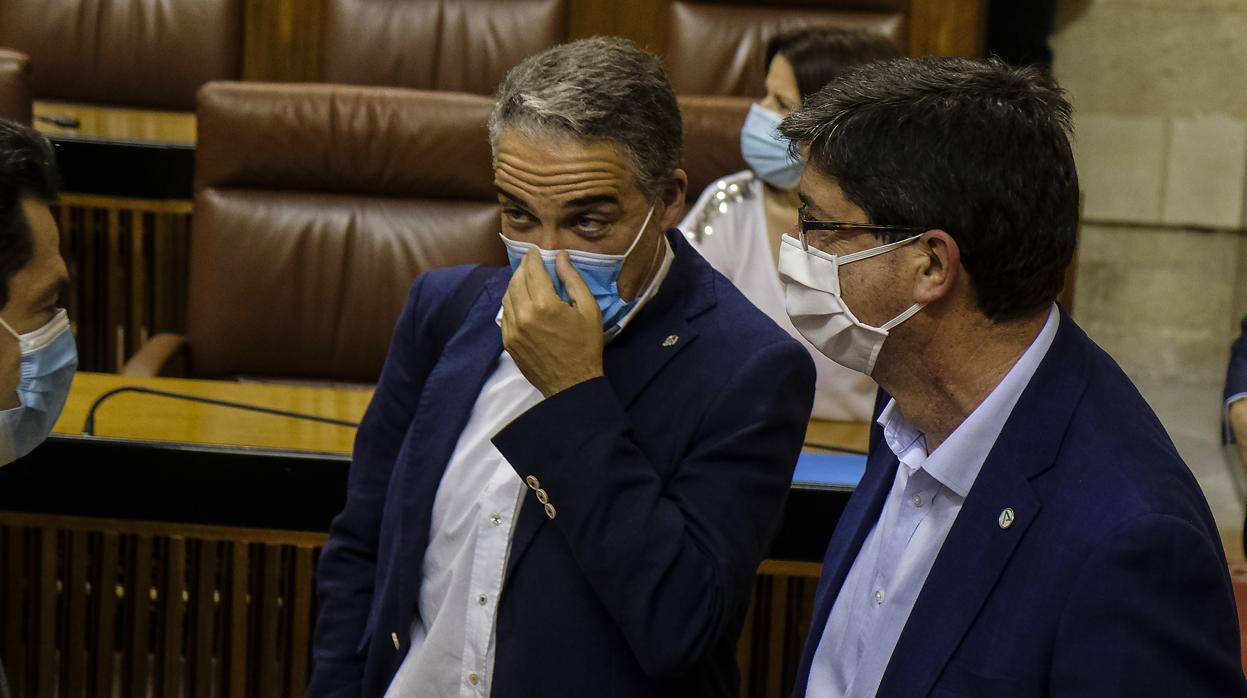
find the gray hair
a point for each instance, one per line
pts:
(596, 89)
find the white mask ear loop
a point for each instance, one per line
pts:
(9, 327)
(871, 252)
(909, 312)
(641, 231)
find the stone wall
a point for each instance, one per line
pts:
(1159, 89)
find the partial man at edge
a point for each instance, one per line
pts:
(38, 356)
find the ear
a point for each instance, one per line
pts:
(672, 198)
(939, 266)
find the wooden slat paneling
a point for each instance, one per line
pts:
(282, 40)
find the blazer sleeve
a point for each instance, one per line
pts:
(347, 567)
(1152, 614)
(672, 561)
(1235, 380)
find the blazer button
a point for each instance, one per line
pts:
(550, 510)
(397, 645)
(543, 497)
(533, 482)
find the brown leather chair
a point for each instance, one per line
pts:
(15, 101)
(140, 53)
(711, 138)
(316, 208)
(720, 49)
(459, 45)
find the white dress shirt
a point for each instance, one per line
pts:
(474, 513)
(879, 592)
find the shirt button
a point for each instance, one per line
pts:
(916, 499)
(495, 519)
(473, 679)
(879, 596)
(482, 599)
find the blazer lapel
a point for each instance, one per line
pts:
(980, 543)
(657, 333)
(450, 392)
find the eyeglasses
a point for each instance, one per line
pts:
(808, 224)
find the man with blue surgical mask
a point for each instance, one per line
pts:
(571, 466)
(37, 352)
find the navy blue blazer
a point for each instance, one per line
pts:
(1111, 581)
(668, 475)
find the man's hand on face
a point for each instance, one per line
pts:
(555, 345)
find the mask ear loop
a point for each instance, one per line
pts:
(871, 252)
(641, 232)
(9, 327)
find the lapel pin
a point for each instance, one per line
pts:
(1006, 518)
(670, 340)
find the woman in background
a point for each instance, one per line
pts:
(738, 220)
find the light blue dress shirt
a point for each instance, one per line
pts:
(879, 592)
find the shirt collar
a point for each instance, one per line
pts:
(956, 462)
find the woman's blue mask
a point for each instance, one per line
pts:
(766, 151)
(600, 272)
(49, 359)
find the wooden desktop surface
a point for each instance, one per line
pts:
(117, 124)
(155, 418)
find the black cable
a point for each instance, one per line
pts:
(88, 427)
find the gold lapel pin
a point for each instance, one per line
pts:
(670, 340)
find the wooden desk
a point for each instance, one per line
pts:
(155, 418)
(117, 124)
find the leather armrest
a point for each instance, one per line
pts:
(156, 356)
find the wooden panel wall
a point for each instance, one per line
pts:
(282, 41)
(93, 608)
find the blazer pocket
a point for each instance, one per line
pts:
(965, 682)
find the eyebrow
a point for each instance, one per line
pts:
(580, 202)
(512, 198)
(53, 291)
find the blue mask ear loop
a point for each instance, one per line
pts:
(13, 332)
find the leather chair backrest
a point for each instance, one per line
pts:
(15, 98)
(316, 208)
(720, 49)
(459, 45)
(142, 53)
(711, 138)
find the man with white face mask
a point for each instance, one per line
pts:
(37, 352)
(1024, 525)
(572, 465)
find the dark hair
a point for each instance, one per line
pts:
(974, 148)
(27, 168)
(819, 54)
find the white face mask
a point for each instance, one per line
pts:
(49, 359)
(812, 298)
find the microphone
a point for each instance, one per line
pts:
(837, 449)
(88, 427)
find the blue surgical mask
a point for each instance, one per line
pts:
(49, 359)
(766, 151)
(600, 272)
